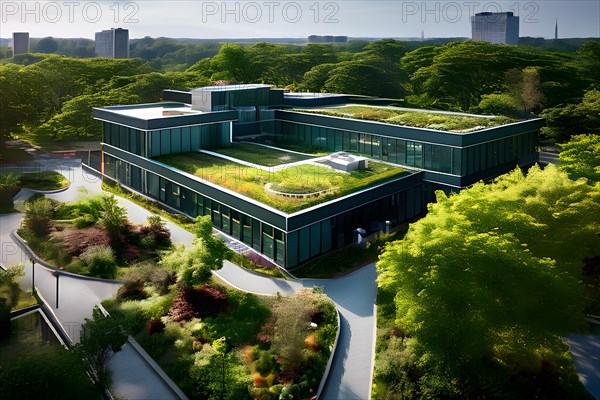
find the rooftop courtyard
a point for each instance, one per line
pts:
(288, 189)
(441, 121)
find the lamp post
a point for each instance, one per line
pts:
(57, 275)
(32, 275)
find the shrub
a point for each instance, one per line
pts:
(206, 301)
(76, 241)
(37, 216)
(132, 290)
(84, 221)
(265, 364)
(9, 180)
(156, 231)
(113, 216)
(100, 261)
(155, 325)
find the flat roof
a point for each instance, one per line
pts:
(226, 88)
(154, 111)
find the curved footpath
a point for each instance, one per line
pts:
(354, 295)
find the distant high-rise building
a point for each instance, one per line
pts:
(556, 30)
(113, 43)
(20, 42)
(493, 27)
(422, 35)
(327, 39)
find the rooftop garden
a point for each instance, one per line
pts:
(419, 119)
(302, 180)
(260, 155)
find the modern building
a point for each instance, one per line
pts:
(499, 28)
(20, 42)
(327, 39)
(112, 43)
(178, 152)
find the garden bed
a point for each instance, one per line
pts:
(91, 237)
(448, 122)
(251, 182)
(218, 342)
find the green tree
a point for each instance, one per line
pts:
(113, 216)
(46, 45)
(9, 296)
(580, 156)
(487, 274)
(193, 265)
(101, 337)
(562, 122)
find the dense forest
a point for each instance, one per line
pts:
(49, 95)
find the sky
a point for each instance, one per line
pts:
(282, 18)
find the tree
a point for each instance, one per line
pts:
(101, 337)
(9, 296)
(194, 265)
(113, 216)
(46, 45)
(487, 275)
(562, 122)
(580, 156)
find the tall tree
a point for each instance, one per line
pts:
(580, 156)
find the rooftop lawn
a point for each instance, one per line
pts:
(304, 178)
(418, 119)
(260, 155)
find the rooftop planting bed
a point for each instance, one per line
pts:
(448, 122)
(260, 155)
(300, 179)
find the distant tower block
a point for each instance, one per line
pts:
(112, 43)
(20, 42)
(556, 30)
(493, 27)
(422, 35)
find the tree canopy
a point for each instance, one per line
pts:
(487, 273)
(580, 156)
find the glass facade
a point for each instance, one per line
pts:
(432, 157)
(167, 141)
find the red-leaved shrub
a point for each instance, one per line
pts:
(155, 326)
(205, 301)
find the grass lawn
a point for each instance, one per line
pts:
(251, 182)
(260, 155)
(417, 119)
(44, 180)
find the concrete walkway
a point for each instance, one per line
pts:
(355, 295)
(133, 377)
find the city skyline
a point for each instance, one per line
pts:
(294, 19)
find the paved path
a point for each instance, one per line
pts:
(355, 295)
(133, 378)
(585, 350)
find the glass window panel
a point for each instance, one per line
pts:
(165, 141)
(176, 140)
(304, 244)
(185, 139)
(326, 235)
(152, 185)
(315, 239)
(292, 249)
(376, 147)
(256, 245)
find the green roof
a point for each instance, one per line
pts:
(437, 120)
